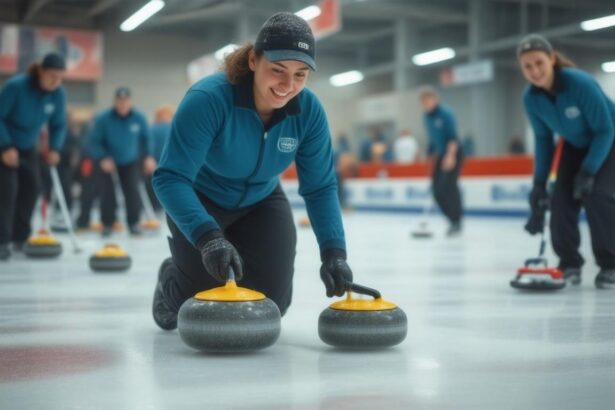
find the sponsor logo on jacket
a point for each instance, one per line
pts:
(287, 145)
(135, 128)
(572, 112)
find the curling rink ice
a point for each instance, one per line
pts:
(72, 339)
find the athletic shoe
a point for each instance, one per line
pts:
(454, 230)
(572, 275)
(164, 316)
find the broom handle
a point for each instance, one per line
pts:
(57, 187)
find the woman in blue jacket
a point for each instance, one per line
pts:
(233, 134)
(562, 100)
(27, 102)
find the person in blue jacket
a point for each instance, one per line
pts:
(161, 132)
(233, 134)
(568, 102)
(441, 128)
(27, 103)
(117, 137)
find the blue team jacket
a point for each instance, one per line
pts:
(121, 138)
(441, 128)
(161, 131)
(580, 112)
(220, 147)
(25, 108)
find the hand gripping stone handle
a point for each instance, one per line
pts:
(363, 290)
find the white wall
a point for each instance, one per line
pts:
(607, 81)
(154, 67)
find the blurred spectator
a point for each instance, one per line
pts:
(342, 144)
(161, 131)
(406, 148)
(516, 146)
(441, 127)
(161, 128)
(376, 148)
(468, 145)
(346, 165)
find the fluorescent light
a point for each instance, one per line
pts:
(434, 56)
(309, 13)
(222, 52)
(145, 12)
(347, 78)
(597, 24)
(608, 67)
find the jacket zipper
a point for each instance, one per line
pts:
(259, 161)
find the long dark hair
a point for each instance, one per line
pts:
(33, 70)
(236, 63)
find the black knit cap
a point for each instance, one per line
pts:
(534, 42)
(285, 36)
(53, 61)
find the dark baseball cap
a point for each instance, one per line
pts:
(53, 61)
(285, 36)
(122, 92)
(534, 42)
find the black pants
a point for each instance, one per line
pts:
(264, 235)
(20, 188)
(90, 175)
(445, 188)
(129, 181)
(599, 207)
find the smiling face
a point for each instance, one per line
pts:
(275, 83)
(537, 68)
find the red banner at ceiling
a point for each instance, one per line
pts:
(22, 45)
(329, 21)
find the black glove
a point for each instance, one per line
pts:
(539, 203)
(538, 198)
(219, 255)
(535, 223)
(335, 272)
(583, 184)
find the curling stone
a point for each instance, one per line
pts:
(42, 245)
(151, 224)
(229, 319)
(118, 226)
(96, 227)
(362, 323)
(111, 258)
(304, 222)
